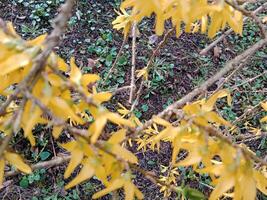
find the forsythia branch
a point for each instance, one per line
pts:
(228, 32)
(52, 41)
(214, 132)
(150, 65)
(250, 15)
(230, 65)
(47, 164)
(133, 87)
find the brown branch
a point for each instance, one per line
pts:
(160, 45)
(228, 32)
(235, 87)
(197, 91)
(100, 145)
(133, 87)
(39, 64)
(59, 160)
(251, 138)
(121, 89)
(47, 164)
(138, 95)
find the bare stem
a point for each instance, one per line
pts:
(150, 65)
(132, 91)
(47, 164)
(116, 60)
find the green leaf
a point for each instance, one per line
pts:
(44, 155)
(120, 80)
(24, 183)
(109, 59)
(144, 108)
(31, 178)
(137, 113)
(151, 162)
(193, 194)
(37, 177)
(122, 61)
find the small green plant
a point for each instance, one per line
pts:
(35, 177)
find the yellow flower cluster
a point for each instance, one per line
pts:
(212, 16)
(54, 91)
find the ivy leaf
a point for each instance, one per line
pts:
(44, 155)
(24, 183)
(144, 108)
(122, 61)
(109, 59)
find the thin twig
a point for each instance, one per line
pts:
(153, 178)
(121, 89)
(116, 60)
(229, 77)
(138, 95)
(249, 80)
(246, 113)
(150, 65)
